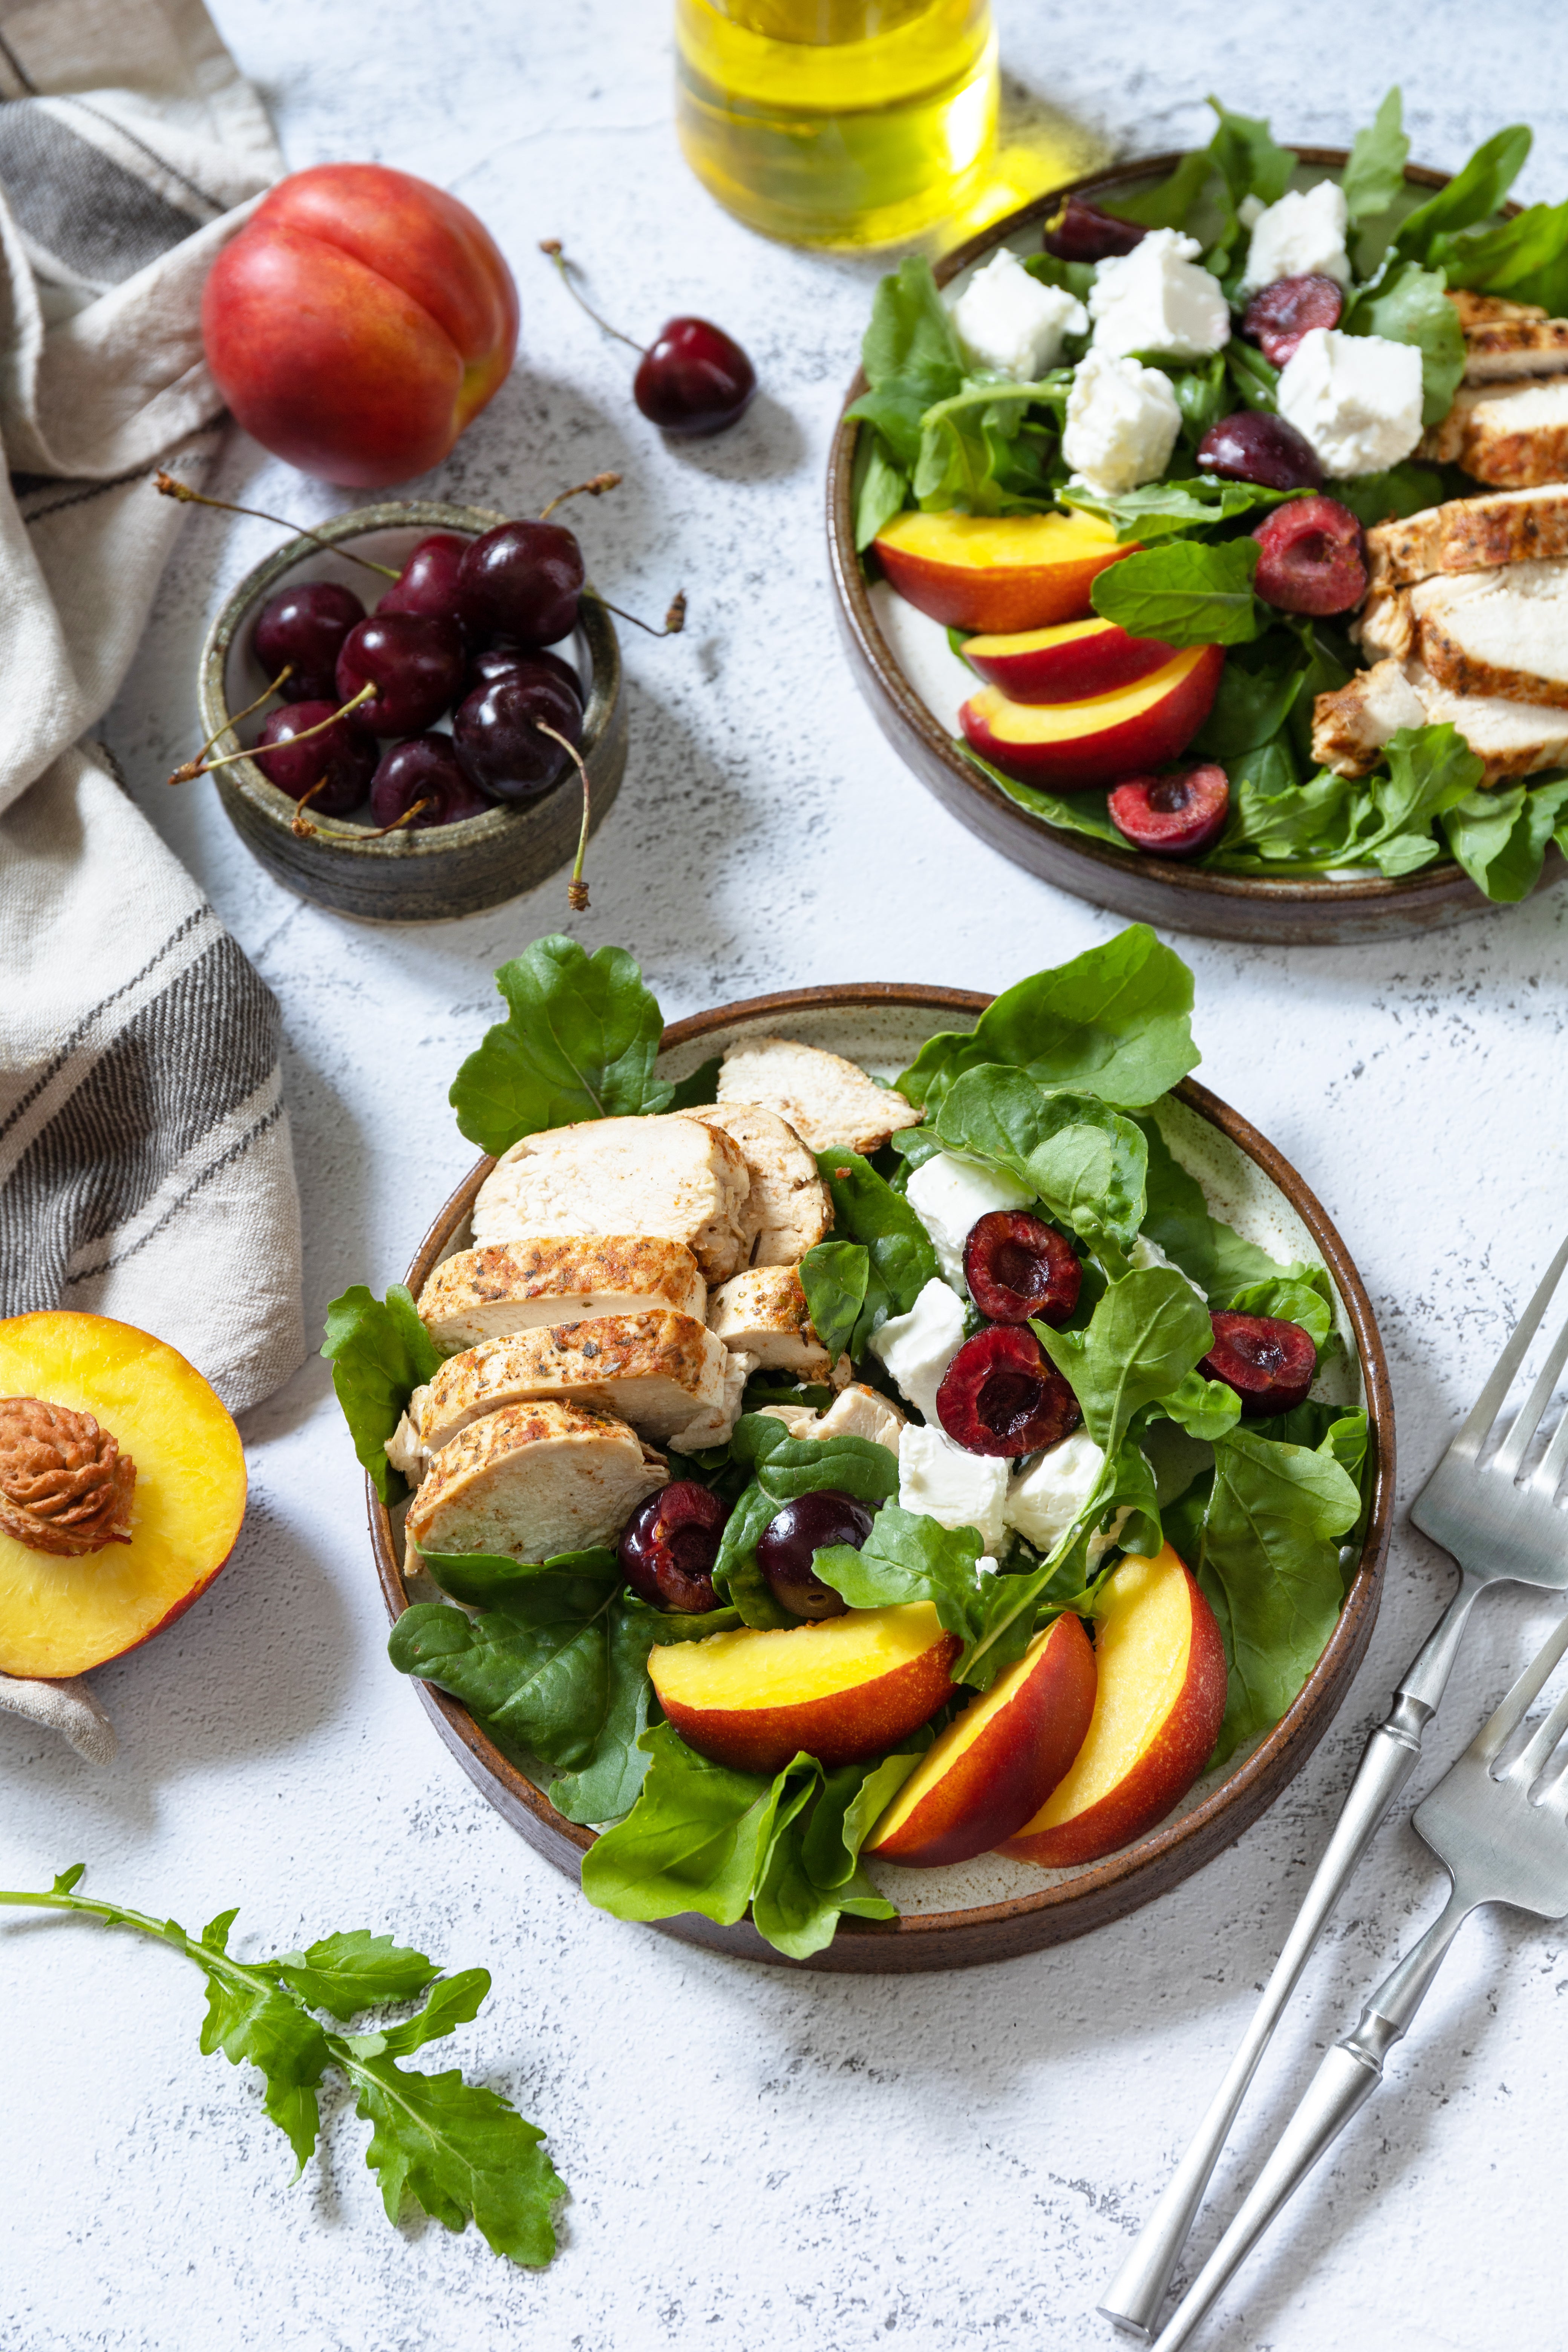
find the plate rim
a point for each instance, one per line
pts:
(1123, 1881)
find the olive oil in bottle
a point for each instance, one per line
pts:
(837, 122)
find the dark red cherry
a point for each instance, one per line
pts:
(1082, 232)
(499, 661)
(427, 582)
(693, 378)
(1002, 1394)
(500, 745)
(304, 626)
(1268, 1362)
(1279, 317)
(413, 661)
(791, 1540)
(670, 1544)
(1311, 559)
(1016, 1266)
(521, 582)
(1252, 447)
(345, 754)
(424, 768)
(1175, 815)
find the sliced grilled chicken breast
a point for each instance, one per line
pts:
(1351, 727)
(673, 1178)
(1515, 434)
(661, 1372)
(790, 1209)
(830, 1103)
(764, 1315)
(483, 1294)
(1470, 535)
(531, 1481)
(1503, 339)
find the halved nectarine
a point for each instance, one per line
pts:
(993, 1767)
(1157, 1712)
(997, 571)
(1068, 663)
(841, 1689)
(92, 1560)
(1065, 747)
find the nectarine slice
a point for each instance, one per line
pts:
(997, 571)
(60, 1615)
(1157, 1712)
(841, 1689)
(1071, 663)
(1065, 747)
(993, 1767)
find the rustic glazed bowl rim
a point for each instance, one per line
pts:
(340, 837)
(1446, 882)
(1267, 1769)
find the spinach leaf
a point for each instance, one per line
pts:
(910, 339)
(380, 1353)
(579, 1042)
(1271, 822)
(1253, 702)
(1470, 195)
(1500, 837)
(1170, 200)
(1408, 305)
(701, 1086)
(1012, 1608)
(1084, 1161)
(1403, 490)
(540, 1688)
(834, 1277)
(1204, 1409)
(1214, 1255)
(876, 1264)
(1160, 510)
(1291, 1302)
(908, 1557)
(1114, 1022)
(1187, 592)
(1249, 162)
(575, 1583)
(1145, 1335)
(1374, 176)
(852, 1801)
(783, 1467)
(696, 1839)
(1087, 813)
(879, 488)
(1525, 258)
(795, 1913)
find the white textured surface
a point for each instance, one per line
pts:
(757, 2159)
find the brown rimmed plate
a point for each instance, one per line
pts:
(1311, 910)
(994, 1909)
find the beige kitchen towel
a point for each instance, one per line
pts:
(145, 1169)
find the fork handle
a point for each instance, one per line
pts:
(1350, 2072)
(1131, 2301)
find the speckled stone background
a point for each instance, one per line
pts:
(759, 2159)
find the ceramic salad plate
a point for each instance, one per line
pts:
(511, 1658)
(1377, 763)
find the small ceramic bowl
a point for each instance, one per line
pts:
(419, 875)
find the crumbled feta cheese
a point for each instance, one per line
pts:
(950, 1195)
(1145, 1253)
(1357, 399)
(918, 1348)
(1300, 237)
(1121, 424)
(1250, 211)
(1045, 1500)
(954, 1488)
(1012, 324)
(1158, 298)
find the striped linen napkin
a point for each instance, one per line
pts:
(145, 1167)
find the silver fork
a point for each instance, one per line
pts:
(1496, 1847)
(1499, 1528)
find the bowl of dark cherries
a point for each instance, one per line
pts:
(424, 696)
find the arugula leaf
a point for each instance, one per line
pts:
(1113, 1023)
(1160, 510)
(878, 488)
(1148, 1331)
(783, 1467)
(910, 338)
(1408, 305)
(1430, 769)
(1470, 195)
(1381, 497)
(1253, 704)
(1012, 1608)
(1501, 836)
(461, 2151)
(1204, 1409)
(1291, 1302)
(1374, 176)
(579, 1042)
(978, 450)
(1309, 821)
(380, 1353)
(908, 1557)
(1084, 1161)
(853, 1800)
(696, 1839)
(1170, 200)
(1256, 379)
(874, 1227)
(1249, 161)
(1187, 592)
(792, 1909)
(1525, 258)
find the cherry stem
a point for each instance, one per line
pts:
(300, 824)
(407, 818)
(674, 619)
(202, 766)
(552, 246)
(594, 488)
(193, 767)
(174, 488)
(576, 889)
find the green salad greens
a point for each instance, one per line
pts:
(938, 435)
(1063, 1084)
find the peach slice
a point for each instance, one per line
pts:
(997, 571)
(61, 1614)
(1065, 747)
(1068, 663)
(842, 1689)
(995, 1766)
(1157, 1712)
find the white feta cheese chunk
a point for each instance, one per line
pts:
(1357, 399)
(918, 1348)
(1010, 323)
(1121, 424)
(949, 1194)
(1250, 211)
(1302, 236)
(1158, 297)
(1145, 1253)
(1047, 1497)
(954, 1488)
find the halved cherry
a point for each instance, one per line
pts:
(1016, 1266)
(1175, 815)
(670, 1544)
(1002, 1394)
(1082, 232)
(1268, 1361)
(1310, 558)
(1277, 318)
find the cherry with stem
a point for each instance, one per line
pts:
(202, 766)
(692, 378)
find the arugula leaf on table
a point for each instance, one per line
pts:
(1525, 258)
(878, 1262)
(1161, 510)
(1471, 196)
(1407, 305)
(1186, 592)
(380, 1353)
(783, 1467)
(1114, 1022)
(1084, 1161)
(579, 1042)
(1501, 836)
(1375, 177)
(1147, 1333)
(462, 2152)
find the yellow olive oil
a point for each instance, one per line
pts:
(837, 122)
